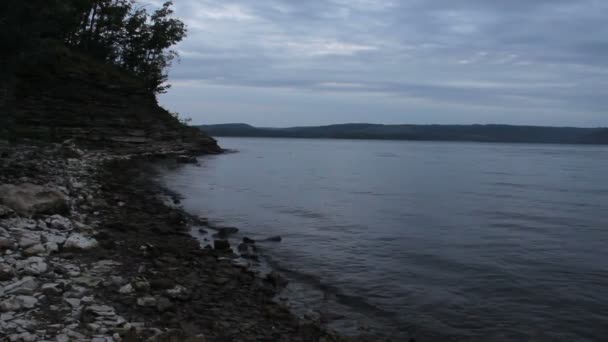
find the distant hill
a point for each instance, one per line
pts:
(479, 133)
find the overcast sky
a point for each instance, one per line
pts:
(313, 62)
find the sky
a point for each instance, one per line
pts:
(278, 63)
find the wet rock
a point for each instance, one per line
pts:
(202, 231)
(243, 247)
(31, 199)
(6, 272)
(79, 241)
(276, 238)
(248, 240)
(221, 245)
(25, 286)
(183, 159)
(276, 280)
(225, 232)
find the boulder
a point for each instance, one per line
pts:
(5, 212)
(79, 241)
(31, 199)
(146, 301)
(221, 245)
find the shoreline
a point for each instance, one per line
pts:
(122, 266)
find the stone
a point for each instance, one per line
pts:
(248, 240)
(54, 238)
(141, 285)
(25, 286)
(5, 212)
(33, 265)
(31, 199)
(163, 304)
(161, 284)
(225, 232)
(276, 280)
(74, 302)
(87, 281)
(62, 338)
(146, 301)
(17, 303)
(59, 222)
(178, 292)
(5, 244)
(28, 240)
(6, 272)
(34, 250)
(79, 241)
(221, 245)
(52, 289)
(126, 289)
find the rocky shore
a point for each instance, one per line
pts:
(90, 252)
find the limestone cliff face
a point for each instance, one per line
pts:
(64, 95)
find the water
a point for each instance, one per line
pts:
(450, 241)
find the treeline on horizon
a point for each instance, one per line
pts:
(478, 133)
(118, 32)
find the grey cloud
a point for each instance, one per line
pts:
(548, 55)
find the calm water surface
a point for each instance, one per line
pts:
(450, 241)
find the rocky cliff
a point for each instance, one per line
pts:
(63, 95)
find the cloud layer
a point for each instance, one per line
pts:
(286, 62)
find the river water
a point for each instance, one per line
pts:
(436, 240)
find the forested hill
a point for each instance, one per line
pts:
(481, 133)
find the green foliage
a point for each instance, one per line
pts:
(117, 32)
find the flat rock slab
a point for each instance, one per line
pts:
(31, 199)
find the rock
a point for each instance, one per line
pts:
(221, 245)
(59, 222)
(163, 304)
(62, 338)
(183, 159)
(202, 231)
(276, 238)
(5, 212)
(87, 281)
(126, 289)
(52, 289)
(248, 240)
(32, 266)
(161, 284)
(79, 241)
(225, 232)
(74, 302)
(141, 285)
(29, 239)
(6, 272)
(34, 250)
(276, 280)
(5, 244)
(25, 286)
(178, 292)
(243, 247)
(31, 199)
(17, 303)
(146, 301)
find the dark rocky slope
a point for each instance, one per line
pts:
(63, 95)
